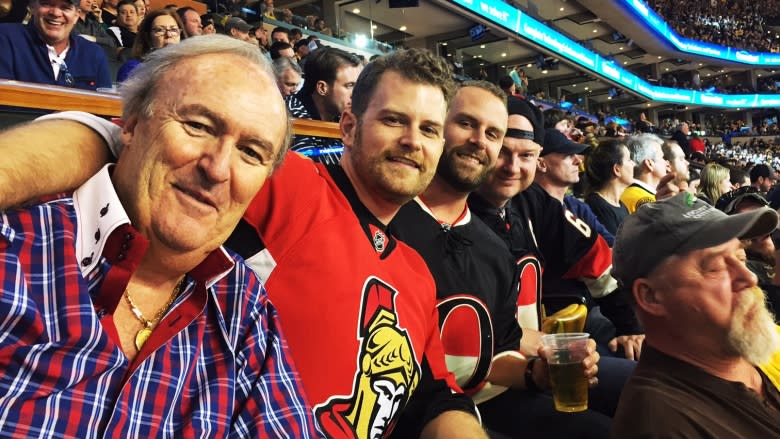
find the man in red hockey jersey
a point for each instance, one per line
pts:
(347, 291)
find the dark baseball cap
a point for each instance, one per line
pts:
(761, 170)
(678, 225)
(237, 23)
(534, 115)
(555, 141)
(729, 201)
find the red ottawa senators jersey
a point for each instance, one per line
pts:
(476, 284)
(358, 308)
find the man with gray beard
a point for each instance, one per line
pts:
(706, 321)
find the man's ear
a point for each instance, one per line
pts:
(541, 165)
(348, 126)
(322, 88)
(128, 132)
(647, 297)
(648, 164)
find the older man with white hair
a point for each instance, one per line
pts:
(649, 172)
(706, 323)
(123, 315)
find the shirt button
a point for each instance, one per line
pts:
(97, 235)
(121, 257)
(101, 312)
(104, 210)
(86, 261)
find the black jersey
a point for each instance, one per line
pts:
(476, 287)
(568, 249)
(515, 230)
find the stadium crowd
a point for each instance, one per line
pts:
(691, 80)
(731, 23)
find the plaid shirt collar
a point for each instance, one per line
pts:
(100, 214)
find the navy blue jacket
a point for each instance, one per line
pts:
(24, 57)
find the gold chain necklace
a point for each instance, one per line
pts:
(143, 334)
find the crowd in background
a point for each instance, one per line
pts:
(731, 23)
(744, 152)
(727, 84)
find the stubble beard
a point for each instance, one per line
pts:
(375, 174)
(458, 178)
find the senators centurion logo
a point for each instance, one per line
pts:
(387, 372)
(379, 241)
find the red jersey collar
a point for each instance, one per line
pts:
(463, 218)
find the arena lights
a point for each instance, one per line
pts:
(652, 21)
(526, 27)
(361, 41)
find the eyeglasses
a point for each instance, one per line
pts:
(65, 75)
(161, 31)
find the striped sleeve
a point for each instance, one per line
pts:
(273, 401)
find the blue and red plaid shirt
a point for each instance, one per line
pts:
(215, 366)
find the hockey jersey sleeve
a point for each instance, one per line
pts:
(572, 249)
(583, 210)
(530, 294)
(289, 204)
(507, 329)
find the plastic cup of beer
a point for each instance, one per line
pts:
(565, 353)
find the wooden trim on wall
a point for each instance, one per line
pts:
(310, 127)
(50, 97)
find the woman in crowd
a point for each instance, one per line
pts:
(159, 29)
(127, 26)
(609, 171)
(715, 181)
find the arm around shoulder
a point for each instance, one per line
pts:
(46, 157)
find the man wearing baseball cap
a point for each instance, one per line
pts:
(559, 166)
(707, 325)
(547, 242)
(238, 28)
(45, 50)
